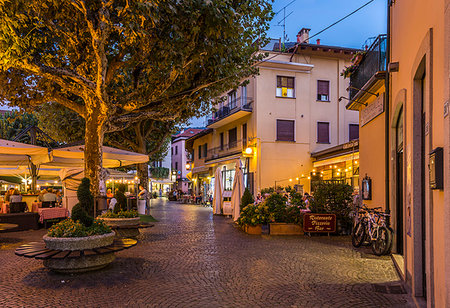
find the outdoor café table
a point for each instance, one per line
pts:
(35, 206)
(52, 213)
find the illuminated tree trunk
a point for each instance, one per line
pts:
(93, 151)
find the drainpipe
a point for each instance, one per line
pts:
(387, 114)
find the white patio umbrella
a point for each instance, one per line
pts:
(73, 157)
(238, 190)
(218, 189)
(21, 154)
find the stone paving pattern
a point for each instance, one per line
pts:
(192, 259)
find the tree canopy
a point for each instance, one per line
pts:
(119, 62)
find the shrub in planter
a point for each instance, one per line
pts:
(254, 214)
(333, 198)
(276, 204)
(121, 200)
(247, 198)
(85, 198)
(120, 214)
(80, 215)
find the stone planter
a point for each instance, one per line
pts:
(124, 227)
(278, 228)
(83, 263)
(79, 243)
(254, 230)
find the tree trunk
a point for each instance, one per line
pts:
(93, 149)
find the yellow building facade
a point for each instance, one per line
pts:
(280, 117)
(414, 185)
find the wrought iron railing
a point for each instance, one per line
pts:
(225, 150)
(233, 106)
(374, 61)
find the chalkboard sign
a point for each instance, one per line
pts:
(319, 223)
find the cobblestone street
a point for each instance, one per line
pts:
(192, 259)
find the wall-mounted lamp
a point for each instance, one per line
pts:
(188, 166)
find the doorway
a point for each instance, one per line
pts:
(399, 189)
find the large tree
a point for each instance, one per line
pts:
(119, 62)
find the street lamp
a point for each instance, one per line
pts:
(188, 166)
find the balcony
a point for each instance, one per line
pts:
(225, 150)
(371, 68)
(233, 110)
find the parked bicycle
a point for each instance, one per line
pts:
(370, 227)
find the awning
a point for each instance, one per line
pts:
(20, 154)
(335, 160)
(73, 157)
(200, 169)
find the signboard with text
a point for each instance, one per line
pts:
(372, 111)
(319, 223)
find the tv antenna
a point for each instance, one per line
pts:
(282, 22)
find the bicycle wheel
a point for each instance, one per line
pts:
(382, 243)
(358, 234)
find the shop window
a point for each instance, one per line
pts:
(323, 90)
(285, 130)
(353, 131)
(323, 132)
(285, 86)
(232, 138)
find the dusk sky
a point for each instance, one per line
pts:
(368, 22)
(318, 14)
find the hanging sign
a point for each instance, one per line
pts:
(372, 110)
(319, 223)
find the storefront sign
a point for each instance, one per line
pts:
(372, 110)
(319, 223)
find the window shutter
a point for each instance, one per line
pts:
(290, 82)
(323, 132)
(232, 137)
(353, 131)
(285, 130)
(323, 87)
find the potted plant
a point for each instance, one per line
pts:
(287, 218)
(124, 223)
(334, 198)
(79, 233)
(252, 217)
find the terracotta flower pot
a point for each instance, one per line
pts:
(255, 230)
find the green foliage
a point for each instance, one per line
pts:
(333, 198)
(120, 214)
(85, 197)
(79, 214)
(255, 214)
(121, 201)
(247, 198)
(71, 228)
(159, 172)
(277, 206)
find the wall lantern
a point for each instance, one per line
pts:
(188, 166)
(248, 152)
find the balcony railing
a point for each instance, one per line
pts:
(374, 61)
(233, 106)
(226, 149)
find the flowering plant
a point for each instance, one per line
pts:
(255, 214)
(71, 228)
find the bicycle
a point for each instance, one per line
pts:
(370, 226)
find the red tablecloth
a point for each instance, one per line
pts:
(35, 206)
(51, 213)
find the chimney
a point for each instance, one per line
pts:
(318, 41)
(303, 36)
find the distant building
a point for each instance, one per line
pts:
(181, 158)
